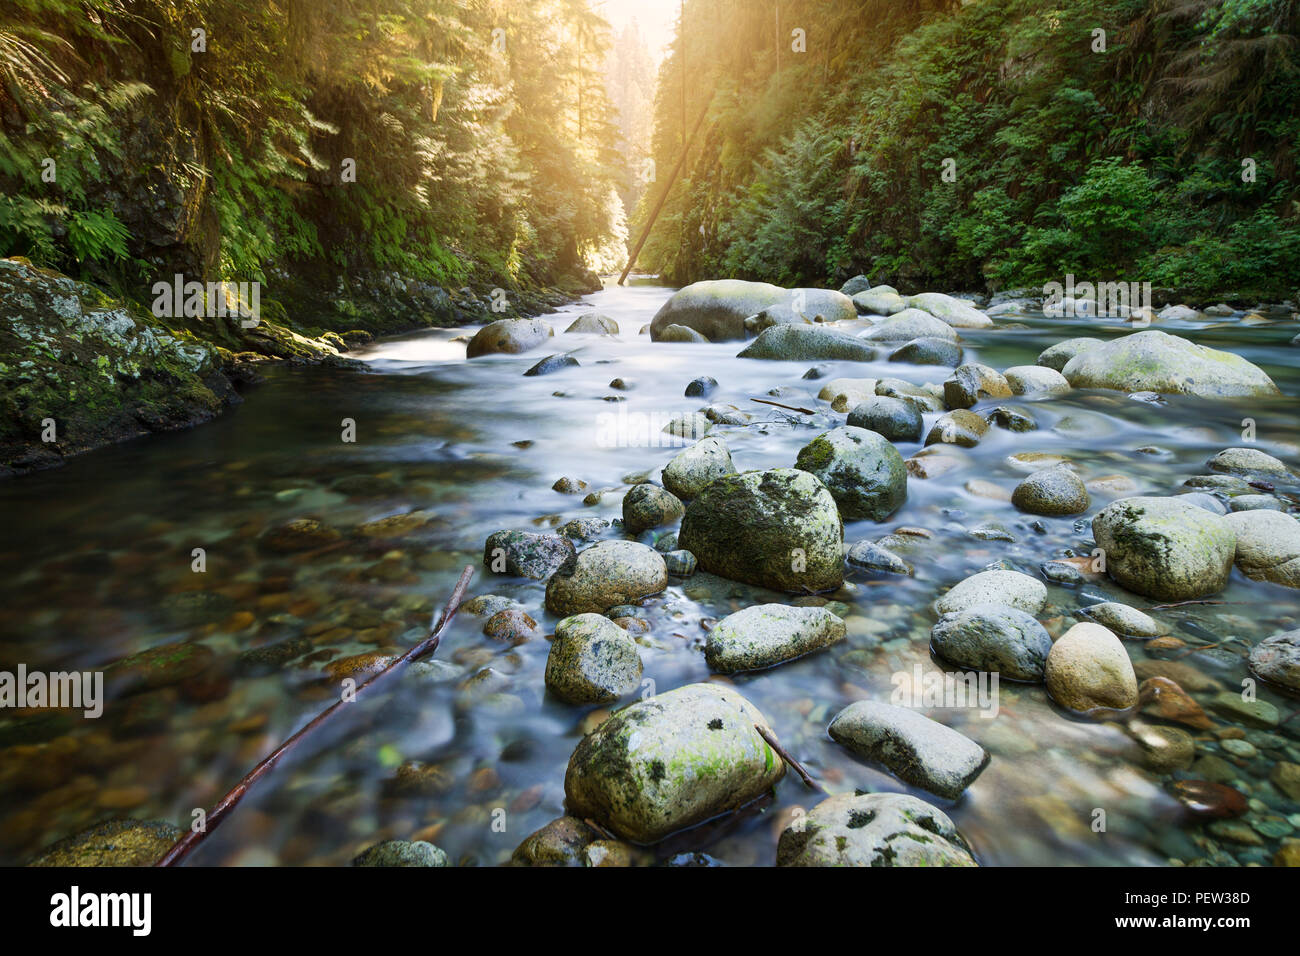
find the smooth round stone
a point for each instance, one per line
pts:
(1036, 380)
(680, 564)
(1165, 548)
(1253, 713)
(808, 343)
(649, 506)
(873, 829)
(928, 351)
(1088, 668)
(908, 325)
(1268, 546)
(692, 469)
(872, 556)
(1056, 356)
(112, 843)
(971, 384)
(1164, 749)
(402, 853)
(509, 336)
(863, 472)
(1154, 361)
(1249, 462)
(1209, 800)
(897, 419)
(769, 634)
(1239, 748)
(1123, 619)
(958, 427)
(1255, 503)
(702, 387)
(1277, 659)
(993, 637)
(1053, 492)
(551, 364)
(1011, 419)
(1009, 588)
(606, 574)
(592, 661)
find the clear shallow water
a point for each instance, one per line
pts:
(96, 565)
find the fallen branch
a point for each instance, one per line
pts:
(788, 408)
(186, 844)
(793, 764)
(1165, 607)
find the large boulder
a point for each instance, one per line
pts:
(972, 383)
(592, 661)
(920, 751)
(778, 529)
(1154, 361)
(955, 312)
(832, 306)
(908, 325)
(1056, 357)
(716, 309)
(1088, 669)
(808, 343)
(694, 468)
(607, 574)
(1165, 548)
(593, 323)
(863, 471)
(1268, 546)
(873, 829)
(510, 336)
(898, 419)
(882, 300)
(680, 333)
(769, 634)
(670, 762)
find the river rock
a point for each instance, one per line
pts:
(593, 323)
(592, 661)
(1268, 546)
(972, 383)
(716, 309)
(928, 351)
(1164, 749)
(915, 748)
(526, 554)
(1009, 588)
(830, 305)
(701, 387)
(961, 426)
(671, 761)
(1256, 503)
(808, 343)
(880, 300)
(604, 575)
(870, 556)
(649, 506)
(1277, 659)
(1154, 361)
(560, 843)
(1058, 356)
(863, 471)
(112, 843)
(860, 283)
(552, 363)
(955, 312)
(680, 563)
(1088, 668)
(780, 314)
(402, 853)
(680, 333)
(1035, 380)
(1053, 492)
(1123, 619)
(993, 637)
(908, 325)
(873, 829)
(1010, 418)
(769, 634)
(690, 472)
(844, 393)
(1249, 462)
(300, 534)
(778, 529)
(510, 336)
(1165, 548)
(897, 419)
(928, 397)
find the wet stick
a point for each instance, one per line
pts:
(788, 408)
(809, 782)
(186, 844)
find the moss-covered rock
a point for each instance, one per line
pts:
(669, 762)
(861, 469)
(592, 661)
(1154, 361)
(604, 575)
(779, 529)
(1165, 548)
(769, 634)
(873, 829)
(112, 843)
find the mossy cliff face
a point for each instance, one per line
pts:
(79, 370)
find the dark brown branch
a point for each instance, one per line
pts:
(186, 844)
(793, 764)
(788, 408)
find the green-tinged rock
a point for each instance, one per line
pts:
(1249, 462)
(873, 829)
(808, 343)
(993, 637)
(959, 427)
(1154, 361)
(402, 853)
(910, 324)
(671, 761)
(1253, 713)
(863, 472)
(606, 574)
(880, 300)
(1036, 380)
(649, 506)
(897, 419)
(955, 312)
(918, 750)
(1058, 356)
(1009, 588)
(1165, 548)
(769, 634)
(526, 554)
(1088, 668)
(778, 529)
(1123, 619)
(592, 661)
(694, 468)
(973, 383)
(560, 843)
(716, 309)
(112, 843)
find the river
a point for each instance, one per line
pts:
(98, 562)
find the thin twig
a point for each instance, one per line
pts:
(788, 408)
(186, 844)
(790, 761)
(1165, 607)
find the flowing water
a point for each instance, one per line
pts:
(98, 563)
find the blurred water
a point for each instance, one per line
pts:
(96, 564)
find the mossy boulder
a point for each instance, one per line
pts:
(112, 843)
(1165, 548)
(1056, 357)
(670, 762)
(649, 506)
(778, 529)
(873, 829)
(691, 471)
(606, 574)
(908, 325)
(808, 343)
(1154, 361)
(509, 336)
(527, 554)
(402, 853)
(592, 661)
(861, 469)
(957, 313)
